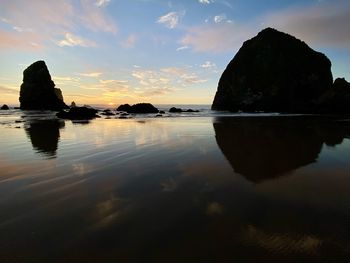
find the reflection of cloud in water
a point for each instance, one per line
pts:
(214, 208)
(264, 148)
(282, 242)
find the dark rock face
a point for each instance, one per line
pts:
(138, 108)
(274, 72)
(38, 91)
(4, 107)
(336, 99)
(78, 113)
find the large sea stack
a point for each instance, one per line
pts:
(274, 72)
(38, 91)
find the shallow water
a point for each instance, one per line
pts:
(174, 189)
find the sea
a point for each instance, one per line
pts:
(187, 187)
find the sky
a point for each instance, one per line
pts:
(164, 52)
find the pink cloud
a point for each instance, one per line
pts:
(14, 40)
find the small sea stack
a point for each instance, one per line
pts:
(38, 91)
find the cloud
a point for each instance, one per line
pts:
(205, 2)
(208, 65)
(24, 41)
(221, 37)
(71, 40)
(7, 90)
(129, 42)
(95, 19)
(324, 24)
(219, 18)
(41, 21)
(91, 74)
(182, 48)
(100, 3)
(171, 20)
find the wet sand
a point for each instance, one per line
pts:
(174, 189)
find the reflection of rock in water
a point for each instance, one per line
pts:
(44, 135)
(264, 148)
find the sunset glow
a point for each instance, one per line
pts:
(164, 52)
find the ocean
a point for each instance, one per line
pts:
(189, 187)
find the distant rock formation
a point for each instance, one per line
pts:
(274, 72)
(138, 108)
(78, 113)
(38, 91)
(107, 112)
(72, 105)
(4, 107)
(179, 110)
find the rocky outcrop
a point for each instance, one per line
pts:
(78, 113)
(336, 99)
(179, 110)
(38, 91)
(274, 72)
(138, 108)
(4, 107)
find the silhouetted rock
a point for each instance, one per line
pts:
(274, 72)
(178, 110)
(78, 113)
(262, 148)
(38, 91)
(4, 107)
(72, 105)
(161, 112)
(336, 99)
(124, 107)
(44, 135)
(107, 112)
(175, 110)
(138, 108)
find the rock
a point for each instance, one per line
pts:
(107, 112)
(336, 99)
(78, 113)
(124, 107)
(274, 72)
(72, 105)
(4, 107)
(190, 110)
(178, 110)
(175, 110)
(161, 112)
(38, 91)
(138, 108)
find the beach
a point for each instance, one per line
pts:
(177, 188)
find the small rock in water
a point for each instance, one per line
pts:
(4, 107)
(78, 113)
